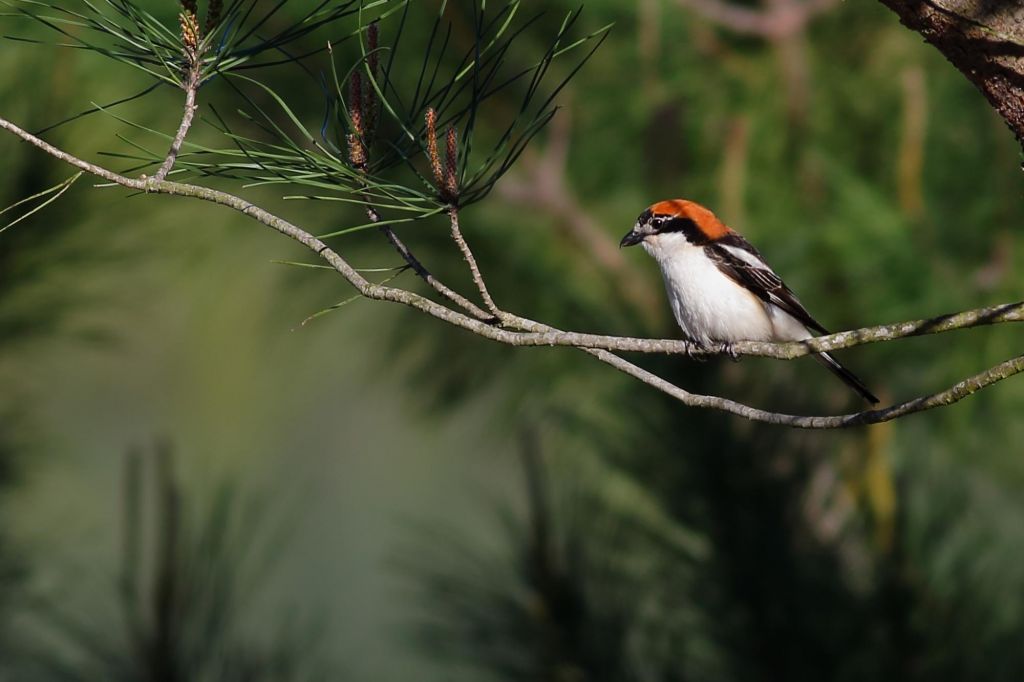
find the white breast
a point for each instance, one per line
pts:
(708, 305)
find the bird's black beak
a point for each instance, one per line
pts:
(631, 239)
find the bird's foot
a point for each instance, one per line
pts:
(696, 351)
(729, 350)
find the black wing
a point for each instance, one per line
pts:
(756, 276)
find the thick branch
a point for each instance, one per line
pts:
(536, 333)
(983, 39)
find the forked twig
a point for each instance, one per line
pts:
(446, 179)
(362, 105)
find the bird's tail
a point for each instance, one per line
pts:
(848, 377)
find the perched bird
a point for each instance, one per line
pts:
(720, 288)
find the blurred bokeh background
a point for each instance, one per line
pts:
(196, 486)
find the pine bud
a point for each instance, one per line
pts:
(432, 153)
(190, 35)
(451, 170)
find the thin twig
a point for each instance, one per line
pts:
(179, 138)
(539, 334)
(474, 269)
(421, 270)
(359, 157)
(193, 48)
(446, 181)
(951, 395)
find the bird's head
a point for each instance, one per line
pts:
(678, 217)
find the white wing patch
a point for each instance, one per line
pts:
(746, 256)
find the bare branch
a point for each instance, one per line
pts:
(179, 138)
(448, 188)
(535, 333)
(421, 270)
(951, 395)
(438, 286)
(474, 269)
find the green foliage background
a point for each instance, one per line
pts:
(646, 540)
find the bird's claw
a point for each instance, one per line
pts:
(729, 350)
(700, 351)
(697, 351)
